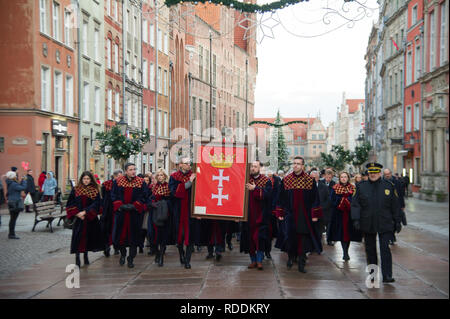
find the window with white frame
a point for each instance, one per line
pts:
(152, 121)
(96, 47)
(56, 26)
(417, 63)
(207, 79)
(116, 58)
(152, 76)
(85, 37)
(129, 111)
(159, 39)
(136, 114)
(86, 101)
(69, 95)
(108, 53)
(144, 74)
(443, 37)
(135, 68)
(144, 31)
(136, 26)
(152, 35)
(108, 7)
(58, 90)
(409, 68)
(166, 125)
(159, 123)
(165, 83)
(97, 105)
(43, 22)
(432, 40)
(441, 103)
(127, 64)
(45, 88)
(159, 80)
(408, 119)
(416, 117)
(145, 118)
(67, 17)
(414, 15)
(166, 43)
(214, 69)
(110, 111)
(117, 107)
(200, 62)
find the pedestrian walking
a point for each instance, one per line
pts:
(406, 185)
(325, 204)
(83, 205)
(188, 231)
(148, 229)
(329, 182)
(300, 203)
(41, 180)
(2, 198)
(31, 188)
(398, 184)
(49, 188)
(255, 232)
(15, 201)
(107, 213)
(162, 215)
(273, 225)
(130, 198)
(375, 210)
(341, 226)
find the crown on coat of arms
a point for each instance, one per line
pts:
(222, 161)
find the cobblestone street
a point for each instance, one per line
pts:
(34, 267)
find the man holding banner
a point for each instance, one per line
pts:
(255, 232)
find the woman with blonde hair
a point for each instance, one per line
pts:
(161, 215)
(341, 226)
(15, 202)
(358, 178)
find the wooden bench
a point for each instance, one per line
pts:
(62, 207)
(46, 211)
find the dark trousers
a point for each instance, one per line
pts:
(370, 241)
(12, 222)
(133, 251)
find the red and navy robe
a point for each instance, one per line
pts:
(86, 234)
(127, 224)
(187, 230)
(107, 213)
(299, 203)
(161, 191)
(255, 232)
(341, 226)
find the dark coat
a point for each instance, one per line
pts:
(107, 213)
(86, 234)
(325, 202)
(375, 205)
(31, 187)
(259, 212)
(161, 235)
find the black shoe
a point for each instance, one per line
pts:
(161, 257)
(116, 252)
(189, 251)
(218, 257)
(13, 237)
(157, 257)
(122, 260)
(181, 253)
(152, 251)
(346, 257)
(77, 261)
(106, 252)
(302, 264)
(130, 262)
(141, 250)
(290, 263)
(230, 246)
(388, 280)
(268, 256)
(86, 259)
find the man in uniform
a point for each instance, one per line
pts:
(255, 232)
(375, 210)
(129, 196)
(300, 207)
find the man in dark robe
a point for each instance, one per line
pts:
(325, 204)
(107, 214)
(216, 230)
(255, 232)
(273, 225)
(300, 205)
(328, 181)
(129, 195)
(188, 231)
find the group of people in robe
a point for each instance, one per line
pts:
(133, 209)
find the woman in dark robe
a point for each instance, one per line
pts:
(341, 226)
(84, 205)
(161, 196)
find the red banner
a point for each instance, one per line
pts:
(220, 182)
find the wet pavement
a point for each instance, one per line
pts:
(420, 268)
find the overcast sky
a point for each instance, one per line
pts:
(302, 76)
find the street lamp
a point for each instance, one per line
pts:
(123, 126)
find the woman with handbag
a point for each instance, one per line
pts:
(341, 226)
(15, 202)
(161, 215)
(84, 205)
